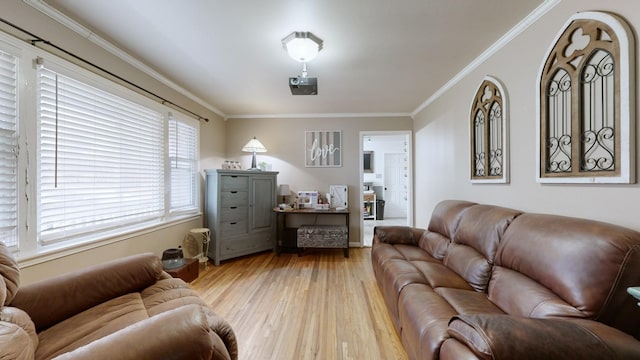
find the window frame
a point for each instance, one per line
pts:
(29, 251)
(195, 206)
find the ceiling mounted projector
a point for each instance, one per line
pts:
(302, 85)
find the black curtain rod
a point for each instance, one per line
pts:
(38, 39)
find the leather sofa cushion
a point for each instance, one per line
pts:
(424, 316)
(438, 275)
(395, 274)
(116, 314)
(22, 319)
(468, 263)
(475, 242)
(435, 244)
(16, 342)
(126, 275)
(516, 294)
(17, 334)
(382, 253)
(10, 273)
(468, 301)
(555, 259)
(392, 277)
(91, 325)
(168, 294)
(445, 217)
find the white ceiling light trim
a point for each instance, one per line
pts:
(302, 46)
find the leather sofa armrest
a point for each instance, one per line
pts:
(52, 300)
(182, 333)
(510, 337)
(397, 235)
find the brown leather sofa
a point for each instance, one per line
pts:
(124, 309)
(486, 282)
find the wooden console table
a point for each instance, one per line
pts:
(285, 235)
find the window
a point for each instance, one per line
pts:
(183, 159)
(84, 160)
(8, 149)
(101, 159)
(489, 133)
(585, 103)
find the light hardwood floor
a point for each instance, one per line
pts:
(316, 306)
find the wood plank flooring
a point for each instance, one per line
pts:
(320, 305)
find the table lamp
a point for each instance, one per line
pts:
(254, 146)
(284, 191)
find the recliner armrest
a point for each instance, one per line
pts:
(397, 235)
(182, 333)
(52, 300)
(510, 337)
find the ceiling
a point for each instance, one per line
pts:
(379, 57)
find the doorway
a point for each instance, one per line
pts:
(386, 184)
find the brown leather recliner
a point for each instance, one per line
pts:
(125, 309)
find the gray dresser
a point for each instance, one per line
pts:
(239, 212)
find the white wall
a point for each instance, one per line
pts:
(442, 134)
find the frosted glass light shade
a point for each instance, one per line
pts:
(302, 46)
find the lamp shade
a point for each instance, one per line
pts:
(302, 46)
(254, 146)
(283, 190)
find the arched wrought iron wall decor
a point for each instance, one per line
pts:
(586, 110)
(489, 133)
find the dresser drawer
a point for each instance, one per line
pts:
(251, 244)
(233, 228)
(233, 213)
(234, 182)
(233, 198)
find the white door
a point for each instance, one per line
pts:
(395, 185)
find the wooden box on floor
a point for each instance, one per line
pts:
(187, 272)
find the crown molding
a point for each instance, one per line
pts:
(73, 25)
(316, 115)
(520, 27)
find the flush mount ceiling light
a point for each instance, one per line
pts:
(302, 46)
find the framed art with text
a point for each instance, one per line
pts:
(323, 148)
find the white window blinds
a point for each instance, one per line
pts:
(183, 157)
(8, 149)
(101, 160)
